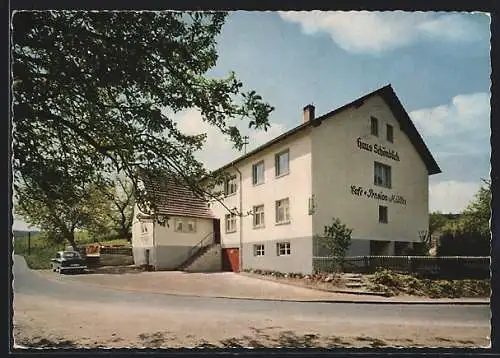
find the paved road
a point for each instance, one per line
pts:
(28, 282)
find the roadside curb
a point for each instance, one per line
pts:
(347, 291)
(429, 301)
(178, 294)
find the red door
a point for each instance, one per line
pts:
(231, 259)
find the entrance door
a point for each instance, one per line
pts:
(216, 229)
(231, 259)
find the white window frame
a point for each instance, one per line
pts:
(382, 175)
(230, 223)
(391, 139)
(187, 225)
(282, 204)
(258, 250)
(255, 177)
(380, 217)
(176, 226)
(230, 186)
(278, 170)
(283, 248)
(191, 226)
(258, 216)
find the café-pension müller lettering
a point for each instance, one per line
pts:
(380, 150)
(370, 193)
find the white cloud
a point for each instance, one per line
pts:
(218, 150)
(451, 196)
(374, 32)
(465, 113)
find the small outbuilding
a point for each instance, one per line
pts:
(181, 233)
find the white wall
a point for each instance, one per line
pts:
(296, 186)
(338, 163)
(142, 241)
(167, 236)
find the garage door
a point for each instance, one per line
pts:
(231, 259)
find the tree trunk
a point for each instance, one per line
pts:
(70, 237)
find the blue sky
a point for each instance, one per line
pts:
(437, 63)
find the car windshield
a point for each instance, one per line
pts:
(71, 255)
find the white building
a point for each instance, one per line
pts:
(364, 163)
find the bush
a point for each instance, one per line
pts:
(461, 242)
(393, 283)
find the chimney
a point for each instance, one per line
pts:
(308, 113)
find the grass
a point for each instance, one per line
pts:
(42, 251)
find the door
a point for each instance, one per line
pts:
(231, 259)
(216, 230)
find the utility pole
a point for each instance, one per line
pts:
(245, 142)
(29, 242)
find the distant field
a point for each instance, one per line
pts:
(42, 251)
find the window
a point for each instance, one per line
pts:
(374, 125)
(258, 173)
(282, 211)
(283, 248)
(179, 225)
(191, 226)
(258, 250)
(230, 186)
(382, 176)
(230, 223)
(144, 228)
(185, 225)
(258, 216)
(390, 133)
(281, 161)
(382, 214)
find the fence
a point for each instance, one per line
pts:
(446, 267)
(107, 255)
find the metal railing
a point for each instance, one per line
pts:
(197, 247)
(441, 266)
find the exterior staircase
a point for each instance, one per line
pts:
(209, 259)
(206, 256)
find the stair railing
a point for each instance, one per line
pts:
(200, 245)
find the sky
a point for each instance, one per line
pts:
(438, 63)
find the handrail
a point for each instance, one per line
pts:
(196, 248)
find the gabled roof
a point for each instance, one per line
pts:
(172, 197)
(397, 109)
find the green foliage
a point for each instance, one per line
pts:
(59, 215)
(113, 208)
(477, 214)
(336, 240)
(96, 93)
(470, 235)
(42, 249)
(393, 284)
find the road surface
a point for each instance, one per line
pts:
(37, 298)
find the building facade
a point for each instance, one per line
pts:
(364, 163)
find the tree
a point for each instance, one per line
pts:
(337, 240)
(470, 235)
(57, 218)
(96, 92)
(113, 210)
(476, 216)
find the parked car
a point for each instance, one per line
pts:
(68, 261)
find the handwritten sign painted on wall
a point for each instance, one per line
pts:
(378, 149)
(372, 194)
